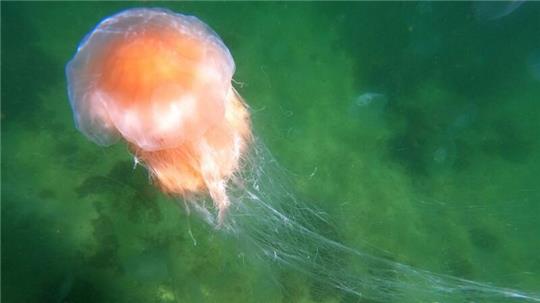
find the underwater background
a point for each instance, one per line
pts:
(413, 125)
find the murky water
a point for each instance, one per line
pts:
(413, 126)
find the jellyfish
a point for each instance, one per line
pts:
(161, 82)
(493, 10)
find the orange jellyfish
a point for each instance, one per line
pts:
(161, 82)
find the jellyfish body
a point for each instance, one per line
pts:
(161, 82)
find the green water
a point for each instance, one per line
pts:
(439, 168)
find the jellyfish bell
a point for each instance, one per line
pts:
(161, 81)
(150, 75)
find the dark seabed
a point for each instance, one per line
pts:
(413, 125)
